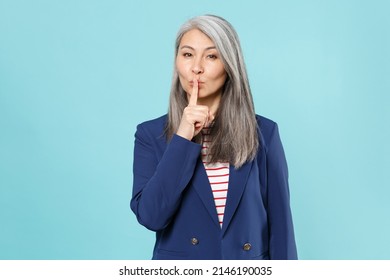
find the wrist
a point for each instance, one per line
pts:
(185, 133)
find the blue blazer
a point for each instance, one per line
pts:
(172, 196)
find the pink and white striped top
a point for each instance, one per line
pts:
(218, 174)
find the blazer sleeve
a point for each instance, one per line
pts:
(282, 241)
(159, 183)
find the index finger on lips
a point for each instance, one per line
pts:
(194, 95)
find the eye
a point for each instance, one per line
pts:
(187, 54)
(212, 56)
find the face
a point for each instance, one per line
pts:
(198, 58)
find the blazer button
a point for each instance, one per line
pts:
(247, 246)
(194, 241)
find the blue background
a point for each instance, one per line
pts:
(77, 76)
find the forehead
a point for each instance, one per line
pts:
(196, 39)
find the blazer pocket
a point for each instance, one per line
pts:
(170, 255)
(262, 256)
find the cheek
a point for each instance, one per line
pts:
(220, 76)
(181, 68)
(182, 76)
(218, 72)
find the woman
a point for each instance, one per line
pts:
(210, 178)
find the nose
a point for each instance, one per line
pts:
(197, 67)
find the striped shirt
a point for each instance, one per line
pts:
(218, 174)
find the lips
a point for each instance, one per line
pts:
(199, 82)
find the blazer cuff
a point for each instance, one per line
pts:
(181, 157)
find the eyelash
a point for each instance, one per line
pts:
(212, 56)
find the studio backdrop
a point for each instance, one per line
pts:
(76, 77)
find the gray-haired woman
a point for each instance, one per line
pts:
(210, 177)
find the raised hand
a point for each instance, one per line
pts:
(195, 116)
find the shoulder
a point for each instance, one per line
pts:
(266, 125)
(267, 129)
(265, 122)
(154, 127)
(154, 123)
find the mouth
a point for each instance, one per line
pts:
(199, 83)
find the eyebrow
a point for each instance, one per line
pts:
(189, 47)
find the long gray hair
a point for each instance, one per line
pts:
(234, 134)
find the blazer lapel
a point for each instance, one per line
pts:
(237, 182)
(201, 184)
